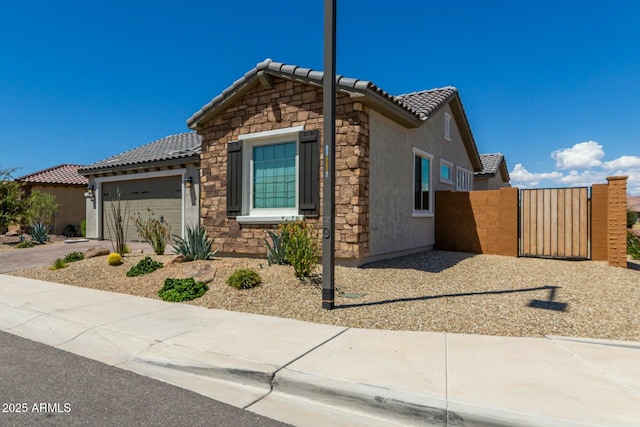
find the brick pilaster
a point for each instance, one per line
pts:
(617, 221)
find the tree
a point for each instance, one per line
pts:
(632, 218)
(41, 207)
(12, 200)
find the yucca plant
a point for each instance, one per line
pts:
(196, 245)
(40, 233)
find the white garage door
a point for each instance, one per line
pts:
(162, 195)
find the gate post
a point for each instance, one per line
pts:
(617, 221)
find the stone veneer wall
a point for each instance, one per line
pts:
(286, 105)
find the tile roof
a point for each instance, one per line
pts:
(425, 102)
(61, 175)
(633, 203)
(418, 104)
(490, 163)
(172, 147)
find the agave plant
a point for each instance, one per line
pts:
(40, 233)
(277, 250)
(196, 245)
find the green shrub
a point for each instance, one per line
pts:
(41, 207)
(73, 256)
(197, 245)
(155, 232)
(633, 245)
(40, 233)
(632, 218)
(58, 264)
(277, 250)
(145, 266)
(177, 290)
(301, 246)
(24, 243)
(244, 279)
(83, 228)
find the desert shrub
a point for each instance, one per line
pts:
(117, 224)
(70, 230)
(40, 207)
(632, 218)
(277, 249)
(301, 246)
(73, 256)
(83, 228)
(24, 243)
(114, 258)
(58, 264)
(197, 244)
(177, 290)
(633, 245)
(155, 232)
(144, 266)
(244, 279)
(40, 233)
(12, 201)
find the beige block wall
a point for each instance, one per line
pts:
(286, 105)
(393, 227)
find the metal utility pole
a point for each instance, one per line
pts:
(328, 170)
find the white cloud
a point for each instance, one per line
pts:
(585, 168)
(521, 174)
(624, 162)
(583, 155)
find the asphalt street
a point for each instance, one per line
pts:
(44, 386)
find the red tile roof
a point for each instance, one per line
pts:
(633, 203)
(61, 175)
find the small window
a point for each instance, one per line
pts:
(274, 176)
(422, 200)
(464, 179)
(447, 126)
(446, 172)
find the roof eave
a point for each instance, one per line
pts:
(367, 96)
(467, 137)
(139, 166)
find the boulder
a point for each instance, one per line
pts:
(98, 251)
(176, 260)
(14, 233)
(200, 272)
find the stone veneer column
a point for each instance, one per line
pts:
(617, 221)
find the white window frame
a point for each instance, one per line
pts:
(253, 215)
(450, 165)
(464, 174)
(425, 155)
(447, 126)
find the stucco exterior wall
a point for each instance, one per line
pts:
(393, 227)
(70, 201)
(490, 183)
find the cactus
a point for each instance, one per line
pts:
(114, 258)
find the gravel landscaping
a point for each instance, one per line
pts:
(434, 291)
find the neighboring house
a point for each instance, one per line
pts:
(494, 173)
(162, 176)
(633, 204)
(261, 161)
(68, 186)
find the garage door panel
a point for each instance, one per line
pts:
(162, 195)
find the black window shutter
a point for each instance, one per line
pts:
(234, 178)
(309, 179)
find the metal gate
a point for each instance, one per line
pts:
(555, 223)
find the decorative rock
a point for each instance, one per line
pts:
(14, 233)
(176, 260)
(200, 272)
(94, 252)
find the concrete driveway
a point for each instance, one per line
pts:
(20, 259)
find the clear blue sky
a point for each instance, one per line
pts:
(555, 86)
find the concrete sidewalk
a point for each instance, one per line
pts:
(308, 374)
